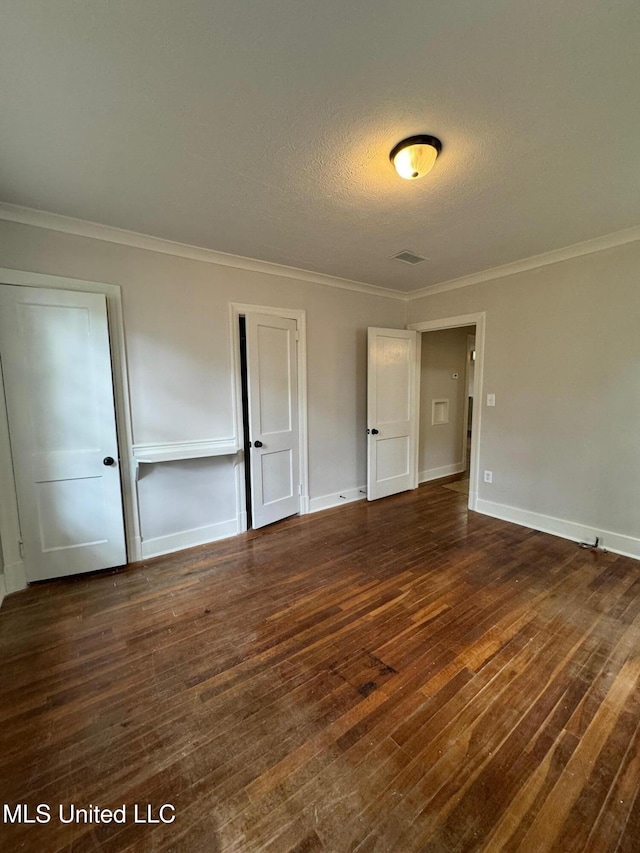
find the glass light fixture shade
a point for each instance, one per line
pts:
(415, 157)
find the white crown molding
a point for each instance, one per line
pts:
(598, 244)
(109, 234)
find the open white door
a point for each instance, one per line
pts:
(272, 391)
(392, 408)
(56, 363)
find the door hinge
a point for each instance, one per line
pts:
(21, 548)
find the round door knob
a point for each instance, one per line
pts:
(257, 444)
(108, 460)
(374, 432)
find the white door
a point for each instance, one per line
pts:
(392, 407)
(272, 391)
(56, 363)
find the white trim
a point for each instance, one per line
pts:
(236, 309)
(346, 496)
(479, 321)
(617, 543)
(439, 407)
(417, 390)
(465, 414)
(14, 577)
(449, 323)
(599, 244)
(175, 450)
(444, 471)
(96, 231)
(188, 538)
(9, 525)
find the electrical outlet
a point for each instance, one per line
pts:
(488, 476)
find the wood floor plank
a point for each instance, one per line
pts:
(395, 676)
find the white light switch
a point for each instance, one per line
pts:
(491, 399)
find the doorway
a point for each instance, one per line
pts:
(468, 460)
(269, 356)
(446, 400)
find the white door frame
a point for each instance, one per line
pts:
(479, 320)
(14, 570)
(236, 310)
(465, 425)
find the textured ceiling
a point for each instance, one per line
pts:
(263, 128)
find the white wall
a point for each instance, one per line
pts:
(562, 356)
(177, 330)
(440, 448)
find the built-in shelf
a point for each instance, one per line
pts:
(439, 412)
(176, 450)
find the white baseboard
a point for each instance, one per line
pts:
(617, 543)
(345, 497)
(188, 538)
(444, 471)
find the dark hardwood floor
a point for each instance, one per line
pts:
(398, 676)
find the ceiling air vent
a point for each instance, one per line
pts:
(408, 257)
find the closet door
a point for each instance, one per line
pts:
(272, 390)
(56, 363)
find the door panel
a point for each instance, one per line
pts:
(392, 412)
(392, 457)
(66, 498)
(392, 402)
(274, 378)
(56, 365)
(272, 391)
(277, 469)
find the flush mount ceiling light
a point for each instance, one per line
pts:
(415, 157)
